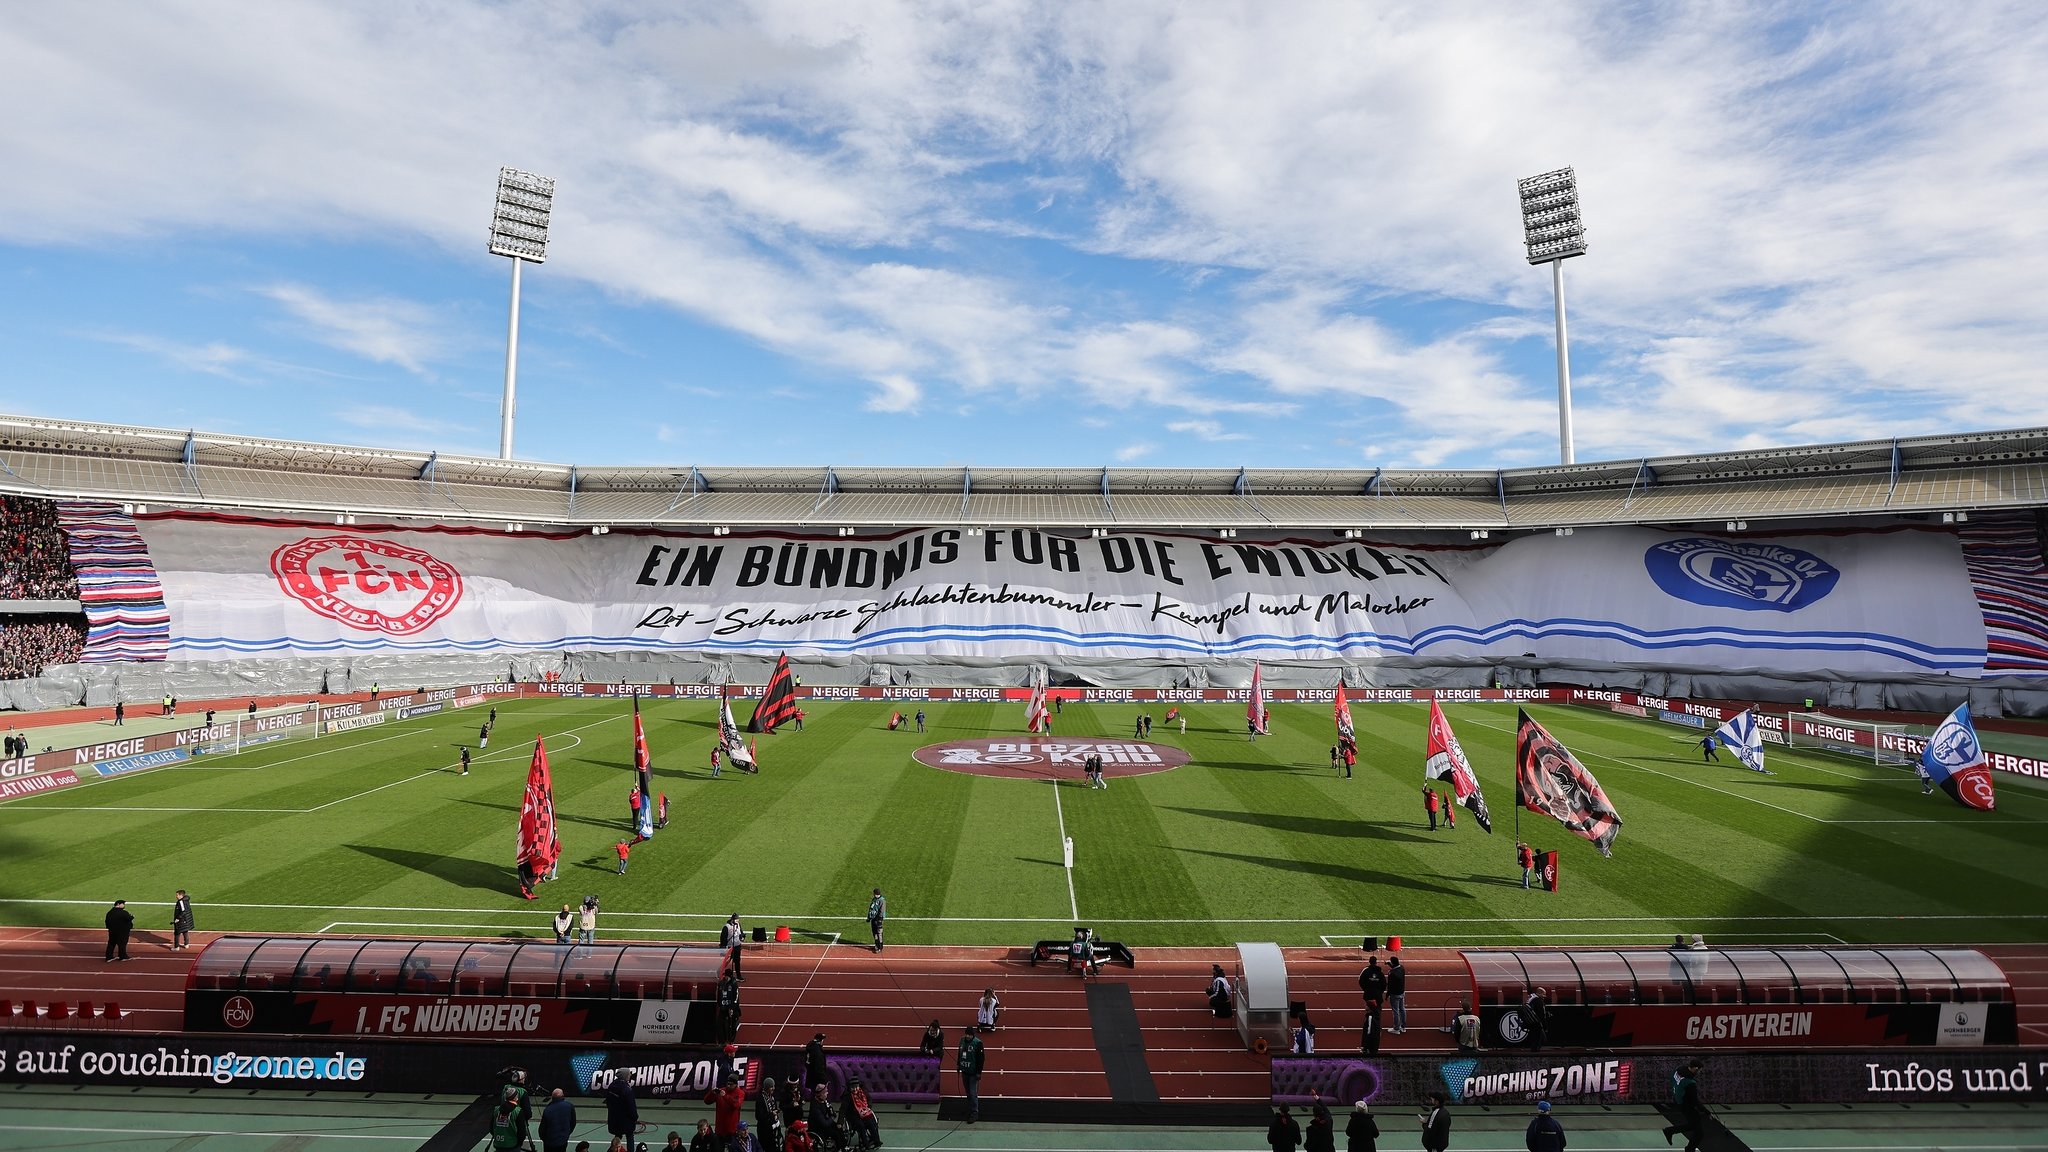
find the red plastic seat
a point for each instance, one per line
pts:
(111, 1012)
(28, 1009)
(58, 1011)
(84, 1012)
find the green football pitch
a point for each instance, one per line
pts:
(374, 831)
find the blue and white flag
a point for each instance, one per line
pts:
(1955, 760)
(1741, 735)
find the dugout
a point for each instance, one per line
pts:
(467, 989)
(1743, 997)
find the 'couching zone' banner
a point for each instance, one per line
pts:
(1897, 601)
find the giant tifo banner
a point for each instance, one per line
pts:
(1899, 600)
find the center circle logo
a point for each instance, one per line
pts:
(368, 584)
(1754, 577)
(238, 1012)
(1028, 757)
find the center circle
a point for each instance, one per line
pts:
(1032, 758)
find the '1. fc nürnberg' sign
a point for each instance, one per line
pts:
(368, 584)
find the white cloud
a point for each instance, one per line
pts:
(895, 394)
(1205, 430)
(1132, 452)
(214, 358)
(385, 331)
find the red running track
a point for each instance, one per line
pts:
(1044, 1049)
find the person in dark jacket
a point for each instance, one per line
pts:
(120, 922)
(1436, 1124)
(817, 1073)
(824, 1126)
(181, 922)
(557, 1123)
(768, 1115)
(621, 1110)
(1372, 981)
(1322, 1132)
(934, 1041)
(705, 1140)
(968, 1060)
(1545, 1133)
(1397, 994)
(1369, 1039)
(1362, 1133)
(1283, 1134)
(1692, 1115)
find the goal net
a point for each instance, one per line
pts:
(232, 732)
(1862, 739)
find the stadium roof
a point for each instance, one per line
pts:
(1917, 476)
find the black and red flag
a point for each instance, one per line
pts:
(1551, 781)
(778, 699)
(538, 845)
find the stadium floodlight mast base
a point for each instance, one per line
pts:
(519, 229)
(1553, 232)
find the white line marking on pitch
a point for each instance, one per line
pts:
(799, 918)
(1060, 814)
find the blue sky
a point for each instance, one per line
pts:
(1125, 234)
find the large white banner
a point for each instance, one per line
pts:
(1897, 601)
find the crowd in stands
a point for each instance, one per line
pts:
(35, 562)
(29, 644)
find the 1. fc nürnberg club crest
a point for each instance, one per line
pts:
(369, 584)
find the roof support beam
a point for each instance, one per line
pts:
(1108, 506)
(966, 489)
(1898, 460)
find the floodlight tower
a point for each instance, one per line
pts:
(1554, 233)
(519, 229)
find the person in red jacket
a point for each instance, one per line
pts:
(1525, 857)
(726, 1101)
(625, 850)
(1429, 804)
(798, 1139)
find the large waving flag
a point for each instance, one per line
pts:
(1955, 760)
(778, 699)
(641, 760)
(1255, 708)
(1446, 761)
(736, 751)
(1346, 734)
(1035, 714)
(1551, 781)
(537, 842)
(1743, 736)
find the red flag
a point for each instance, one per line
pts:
(1255, 709)
(1445, 760)
(641, 760)
(1345, 733)
(537, 845)
(1035, 713)
(1551, 781)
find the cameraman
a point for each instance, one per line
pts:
(588, 921)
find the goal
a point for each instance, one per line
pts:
(234, 732)
(1869, 740)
